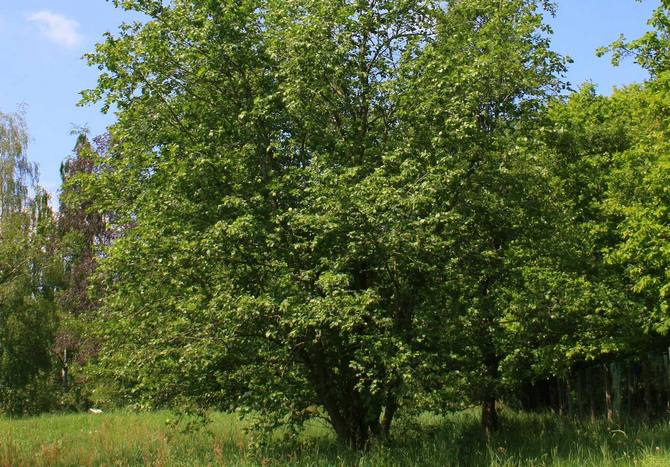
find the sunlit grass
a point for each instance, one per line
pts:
(148, 439)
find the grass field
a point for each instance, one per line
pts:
(146, 439)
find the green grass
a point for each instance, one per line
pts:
(146, 439)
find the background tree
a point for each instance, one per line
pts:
(609, 157)
(81, 234)
(637, 192)
(28, 276)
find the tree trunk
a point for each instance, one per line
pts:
(646, 386)
(593, 410)
(355, 426)
(617, 388)
(629, 390)
(489, 411)
(490, 421)
(65, 371)
(356, 417)
(552, 396)
(568, 389)
(608, 394)
(579, 393)
(389, 413)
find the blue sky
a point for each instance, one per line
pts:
(42, 41)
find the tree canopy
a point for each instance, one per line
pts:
(351, 210)
(28, 274)
(334, 192)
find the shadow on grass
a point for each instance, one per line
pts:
(458, 440)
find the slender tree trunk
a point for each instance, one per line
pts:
(592, 388)
(646, 385)
(617, 388)
(490, 421)
(568, 389)
(629, 391)
(553, 395)
(65, 371)
(608, 393)
(579, 393)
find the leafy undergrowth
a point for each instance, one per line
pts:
(146, 439)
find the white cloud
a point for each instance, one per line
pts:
(57, 28)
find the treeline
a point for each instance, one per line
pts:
(46, 259)
(352, 210)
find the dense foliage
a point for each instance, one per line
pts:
(336, 194)
(28, 275)
(348, 210)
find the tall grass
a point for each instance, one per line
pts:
(147, 439)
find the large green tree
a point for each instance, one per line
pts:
(319, 201)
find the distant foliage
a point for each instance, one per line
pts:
(28, 276)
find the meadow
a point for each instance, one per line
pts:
(129, 439)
